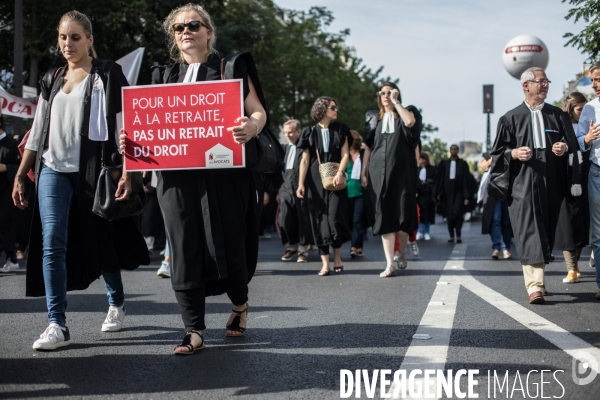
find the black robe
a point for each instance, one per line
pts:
(94, 243)
(393, 175)
(292, 210)
(210, 214)
(327, 210)
(538, 186)
(9, 156)
(573, 227)
(453, 192)
(425, 197)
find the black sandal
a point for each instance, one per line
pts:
(187, 343)
(339, 269)
(236, 322)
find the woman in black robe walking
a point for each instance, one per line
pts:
(392, 172)
(573, 228)
(328, 210)
(210, 214)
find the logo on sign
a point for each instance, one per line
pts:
(219, 156)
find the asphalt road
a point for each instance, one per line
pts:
(303, 329)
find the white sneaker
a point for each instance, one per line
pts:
(414, 248)
(427, 237)
(53, 337)
(114, 319)
(165, 270)
(9, 266)
(419, 236)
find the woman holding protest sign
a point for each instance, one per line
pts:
(210, 214)
(326, 142)
(76, 122)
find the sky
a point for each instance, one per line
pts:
(444, 51)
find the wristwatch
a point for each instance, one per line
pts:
(396, 102)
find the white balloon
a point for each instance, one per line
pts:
(522, 52)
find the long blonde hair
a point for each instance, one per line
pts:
(174, 52)
(84, 21)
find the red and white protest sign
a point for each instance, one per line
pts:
(182, 125)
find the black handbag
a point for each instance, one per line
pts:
(264, 153)
(105, 204)
(499, 186)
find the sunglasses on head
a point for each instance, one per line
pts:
(193, 26)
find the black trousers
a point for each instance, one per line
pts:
(192, 302)
(324, 250)
(455, 216)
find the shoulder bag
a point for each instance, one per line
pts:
(328, 171)
(264, 153)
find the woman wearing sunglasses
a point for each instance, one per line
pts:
(210, 214)
(389, 172)
(70, 246)
(328, 225)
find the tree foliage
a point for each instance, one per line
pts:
(588, 40)
(298, 59)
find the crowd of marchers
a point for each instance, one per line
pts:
(540, 189)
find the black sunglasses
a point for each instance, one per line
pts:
(333, 108)
(193, 26)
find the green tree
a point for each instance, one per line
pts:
(588, 40)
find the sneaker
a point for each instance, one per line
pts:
(53, 337)
(20, 255)
(302, 258)
(114, 319)
(427, 237)
(287, 256)
(419, 236)
(571, 277)
(165, 270)
(388, 272)
(495, 254)
(507, 254)
(9, 266)
(267, 235)
(356, 253)
(414, 248)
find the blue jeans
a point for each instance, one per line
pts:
(424, 227)
(356, 207)
(501, 230)
(594, 200)
(55, 190)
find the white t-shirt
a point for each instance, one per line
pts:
(66, 116)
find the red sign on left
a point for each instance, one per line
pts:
(182, 125)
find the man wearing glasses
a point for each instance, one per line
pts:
(588, 133)
(532, 146)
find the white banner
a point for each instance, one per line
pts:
(131, 64)
(16, 106)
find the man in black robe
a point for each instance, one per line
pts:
(532, 144)
(452, 189)
(291, 214)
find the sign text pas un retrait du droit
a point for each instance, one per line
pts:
(182, 126)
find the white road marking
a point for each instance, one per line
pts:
(438, 321)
